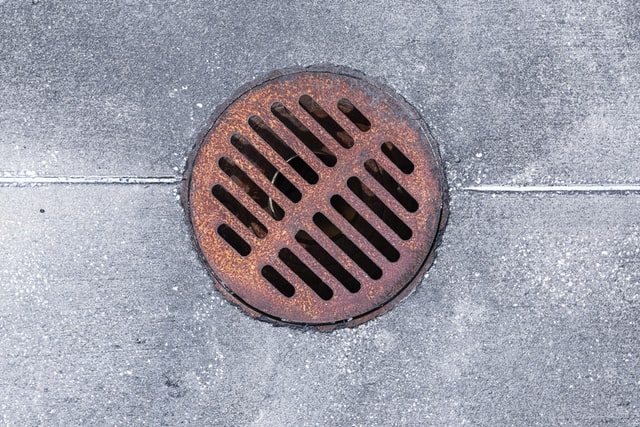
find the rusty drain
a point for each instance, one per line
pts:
(316, 198)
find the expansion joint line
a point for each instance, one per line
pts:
(39, 180)
(577, 188)
(164, 180)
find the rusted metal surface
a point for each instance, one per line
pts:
(316, 198)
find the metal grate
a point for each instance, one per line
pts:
(316, 198)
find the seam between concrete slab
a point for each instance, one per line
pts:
(35, 180)
(164, 180)
(586, 188)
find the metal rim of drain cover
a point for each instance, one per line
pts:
(316, 198)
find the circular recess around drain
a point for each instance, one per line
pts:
(316, 198)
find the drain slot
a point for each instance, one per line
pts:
(364, 228)
(234, 240)
(397, 157)
(327, 261)
(378, 207)
(353, 114)
(269, 171)
(306, 274)
(251, 188)
(238, 209)
(303, 134)
(278, 282)
(347, 246)
(279, 146)
(391, 185)
(326, 121)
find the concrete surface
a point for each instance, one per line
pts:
(530, 315)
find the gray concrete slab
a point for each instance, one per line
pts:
(530, 316)
(525, 92)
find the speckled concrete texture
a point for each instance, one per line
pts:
(529, 316)
(540, 89)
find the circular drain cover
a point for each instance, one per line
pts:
(316, 198)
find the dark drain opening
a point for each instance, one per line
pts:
(251, 188)
(326, 121)
(240, 212)
(353, 114)
(279, 146)
(397, 157)
(233, 239)
(327, 261)
(347, 246)
(364, 228)
(279, 282)
(265, 167)
(305, 135)
(279, 180)
(391, 185)
(378, 207)
(306, 274)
